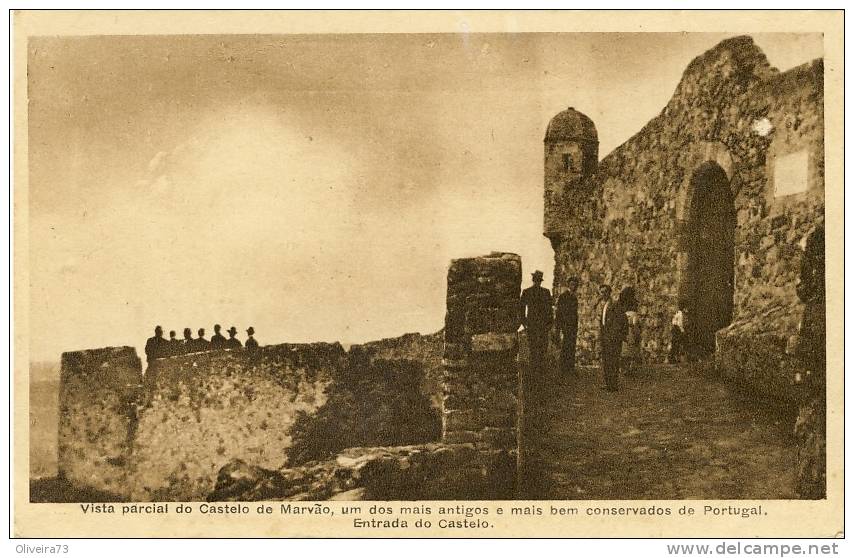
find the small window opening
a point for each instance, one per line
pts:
(567, 162)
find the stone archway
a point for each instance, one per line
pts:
(707, 288)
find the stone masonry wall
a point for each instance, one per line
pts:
(627, 224)
(481, 382)
(426, 349)
(477, 457)
(98, 397)
(204, 409)
(164, 436)
(377, 402)
(758, 348)
(218, 425)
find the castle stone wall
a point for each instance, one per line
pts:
(481, 380)
(204, 409)
(164, 436)
(629, 223)
(477, 456)
(426, 349)
(99, 390)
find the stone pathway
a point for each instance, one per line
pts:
(668, 433)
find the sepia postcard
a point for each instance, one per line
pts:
(428, 274)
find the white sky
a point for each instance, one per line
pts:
(315, 187)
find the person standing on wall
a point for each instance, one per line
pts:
(566, 317)
(174, 344)
(188, 342)
(201, 344)
(251, 343)
(612, 331)
(233, 343)
(536, 317)
(218, 339)
(157, 346)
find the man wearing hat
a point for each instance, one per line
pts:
(233, 342)
(536, 317)
(251, 343)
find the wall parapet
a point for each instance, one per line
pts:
(165, 434)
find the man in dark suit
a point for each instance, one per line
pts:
(613, 328)
(251, 343)
(536, 316)
(188, 344)
(174, 344)
(201, 344)
(218, 339)
(156, 347)
(566, 317)
(233, 343)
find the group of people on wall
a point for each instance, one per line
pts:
(160, 347)
(619, 329)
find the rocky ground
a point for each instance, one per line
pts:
(669, 433)
(419, 472)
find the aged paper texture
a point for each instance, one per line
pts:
(607, 229)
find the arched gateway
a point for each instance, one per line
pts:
(708, 287)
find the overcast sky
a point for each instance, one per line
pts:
(315, 187)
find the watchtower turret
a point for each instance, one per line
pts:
(571, 156)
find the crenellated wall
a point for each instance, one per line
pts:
(636, 220)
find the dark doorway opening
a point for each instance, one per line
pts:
(711, 257)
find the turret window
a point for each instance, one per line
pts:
(567, 162)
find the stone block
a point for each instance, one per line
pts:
(456, 351)
(493, 342)
(496, 418)
(453, 366)
(506, 318)
(461, 437)
(454, 420)
(502, 400)
(480, 320)
(498, 438)
(455, 326)
(456, 399)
